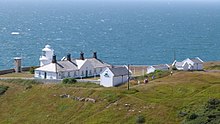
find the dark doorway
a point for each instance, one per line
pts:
(45, 75)
(86, 73)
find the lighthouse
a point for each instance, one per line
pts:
(47, 55)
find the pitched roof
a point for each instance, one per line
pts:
(179, 63)
(161, 66)
(79, 62)
(96, 63)
(119, 71)
(66, 66)
(48, 68)
(59, 66)
(197, 60)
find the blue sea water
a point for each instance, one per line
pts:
(122, 33)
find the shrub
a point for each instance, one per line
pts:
(3, 89)
(209, 113)
(213, 103)
(140, 119)
(32, 70)
(192, 116)
(174, 68)
(69, 81)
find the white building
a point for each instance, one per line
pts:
(68, 67)
(189, 64)
(47, 54)
(111, 77)
(163, 67)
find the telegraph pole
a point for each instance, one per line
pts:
(174, 55)
(128, 77)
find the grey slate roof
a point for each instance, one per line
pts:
(160, 66)
(196, 60)
(97, 63)
(66, 66)
(119, 71)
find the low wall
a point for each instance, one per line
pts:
(49, 80)
(7, 71)
(60, 80)
(88, 81)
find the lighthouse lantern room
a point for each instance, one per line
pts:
(47, 55)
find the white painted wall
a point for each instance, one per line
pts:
(120, 80)
(41, 75)
(109, 80)
(47, 55)
(86, 67)
(106, 80)
(150, 69)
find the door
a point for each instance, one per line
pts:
(45, 75)
(86, 73)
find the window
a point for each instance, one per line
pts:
(94, 71)
(100, 69)
(90, 72)
(68, 74)
(39, 74)
(62, 75)
(82, 74)
(44, 53)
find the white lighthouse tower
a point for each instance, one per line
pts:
(47, 55)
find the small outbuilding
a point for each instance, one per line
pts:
(163, 67)
(111, 77)
(189, 64)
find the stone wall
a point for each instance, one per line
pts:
(7, 71)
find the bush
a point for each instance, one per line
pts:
(32, 70)
(3, 89)
(69, 81)
(140, 119)
(209, 113)
(192, 116)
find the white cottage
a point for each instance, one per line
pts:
(189, 64)
(111, 77)
(163, 67)
(74, 68)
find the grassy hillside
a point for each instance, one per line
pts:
(160, 101)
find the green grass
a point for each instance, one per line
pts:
(3, 89)
(160, 101)
(18, 75)
(214, 67)
(22, 81)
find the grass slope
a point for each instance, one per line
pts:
(159, 101)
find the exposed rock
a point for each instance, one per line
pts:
(90, 100)
(64, 96)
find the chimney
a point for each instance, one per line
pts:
(54, 60)
(95, 55)
(69, 57)
(82, 56)
(18, 68)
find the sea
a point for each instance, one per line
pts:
(125, 32)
